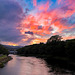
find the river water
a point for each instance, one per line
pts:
(30, 66)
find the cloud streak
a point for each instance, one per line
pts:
(49, 21)
(10, 16)
(35, 3)
(36, 21)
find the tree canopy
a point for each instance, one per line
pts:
(3, 50)
(54, 38)
(54, 48)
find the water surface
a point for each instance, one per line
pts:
(30, 66)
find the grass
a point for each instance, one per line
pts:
(3, 60)
(2, 57)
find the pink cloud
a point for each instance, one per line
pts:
(59, 1)
(46, 19)
(35, 2)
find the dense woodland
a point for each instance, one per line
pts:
(54, 48)
(3, 50)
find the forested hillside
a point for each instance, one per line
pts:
(3, 50)
(53, 48)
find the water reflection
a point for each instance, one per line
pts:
(30, 66)
(25, 66)
(59, 71)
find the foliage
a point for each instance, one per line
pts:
(70, 48)
(3, 50)
(3, 56)
(4, 59)
(54, 38)
(63, 49)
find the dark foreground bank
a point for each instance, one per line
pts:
(55, 52)
(4, 59)
(21, 65)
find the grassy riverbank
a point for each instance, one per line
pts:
(4, 59)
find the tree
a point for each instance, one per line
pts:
(54, 38)
(3, 50)
(70, 48)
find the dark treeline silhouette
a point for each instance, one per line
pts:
(54, 51)
(3, 50)
(53, 48)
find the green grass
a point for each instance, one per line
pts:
(3, 56)
(1, 65)
(4, 59)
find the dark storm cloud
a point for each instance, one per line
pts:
(29, 32)
(10, 15)
(65, 8)
(39, 27)
(50, 28)
(10, 11)
(9, 34)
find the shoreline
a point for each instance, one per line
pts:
(60, 62)
(4, 59)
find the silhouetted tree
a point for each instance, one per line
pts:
(53, 48)
(3, 50)
(54, 38)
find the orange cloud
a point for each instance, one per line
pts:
(9, 43)
(38, 40)
(69, 37)
(45, 22)
(43, 19)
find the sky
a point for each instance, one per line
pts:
(26, 22)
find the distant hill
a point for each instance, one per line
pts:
(12, 47)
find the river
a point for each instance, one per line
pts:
(30, 66)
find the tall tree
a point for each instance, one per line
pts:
(54, 38)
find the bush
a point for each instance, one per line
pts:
(3, 50)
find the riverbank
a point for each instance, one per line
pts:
(4, 59)
(61, 62)
(57, 53)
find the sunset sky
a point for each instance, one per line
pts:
(25, 22)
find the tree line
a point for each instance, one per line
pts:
(54, 47)
(3, 50)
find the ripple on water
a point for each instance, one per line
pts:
(29, 66)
